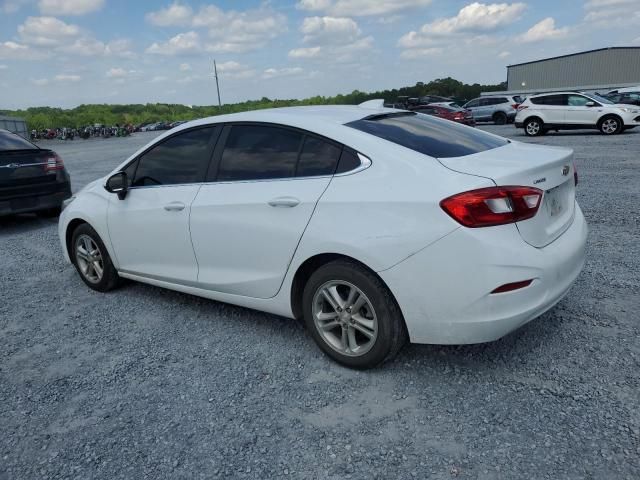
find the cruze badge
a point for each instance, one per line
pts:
(540, 180)
(565, 170)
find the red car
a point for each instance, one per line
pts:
(455, 114)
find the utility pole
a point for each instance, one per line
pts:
(215, 75)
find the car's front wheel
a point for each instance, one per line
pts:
(533, 127)
(610, 125)
(91, 259)
(352, 316)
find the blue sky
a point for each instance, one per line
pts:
(68, 52)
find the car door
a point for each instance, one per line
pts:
(552, 108)
(149, 228)
(578, 113)
(246, 222)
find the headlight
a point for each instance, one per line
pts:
(630, 110)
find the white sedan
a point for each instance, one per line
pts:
(375, 226)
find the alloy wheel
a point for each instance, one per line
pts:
(533, 128)
(345, 318)
(610, 126)
(89, 259)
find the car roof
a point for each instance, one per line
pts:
(629, 89)
(334, 114)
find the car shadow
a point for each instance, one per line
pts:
(24, 222)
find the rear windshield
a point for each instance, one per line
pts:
(11, 141)
(428, 135)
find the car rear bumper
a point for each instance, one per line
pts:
(444, 290)
(53, 197)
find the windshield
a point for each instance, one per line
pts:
(598, 98)
(428, 135)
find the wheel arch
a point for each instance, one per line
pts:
(611, 115)
(68, 235)
(310, 265)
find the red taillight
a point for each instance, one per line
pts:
(522, 107)
(487, 207)
(575, 174)
(510, 287)
(54, 162)
(515, 106)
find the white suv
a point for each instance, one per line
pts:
(572, 110)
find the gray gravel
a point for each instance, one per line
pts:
(146, 383)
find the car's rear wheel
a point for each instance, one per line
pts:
(352, 316)
(610, 125)
(91, 259)
(533, 127)
(500, 118)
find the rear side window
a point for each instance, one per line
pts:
(428, 135)
(550, 100)
(181, 159)
(518, 99)
(255, 152)
(473, 103)
(317, 158)
(11, 141)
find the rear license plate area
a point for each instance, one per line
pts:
(554, 201)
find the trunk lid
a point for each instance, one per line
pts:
(25, 167)
(549, 169)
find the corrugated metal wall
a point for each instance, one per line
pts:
(614, 66)
(15, 125)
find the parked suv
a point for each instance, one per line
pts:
(499, 109)
(630, 96)
(573, 110)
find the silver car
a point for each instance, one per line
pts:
(499, 109)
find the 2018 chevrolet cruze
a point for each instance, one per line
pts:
(376, 226)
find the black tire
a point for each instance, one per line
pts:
(610, 125)
(50, 212)
(530, 127)
(500, 118)
(110, 278)
(391, 330)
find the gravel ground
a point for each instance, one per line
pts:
(147, 383)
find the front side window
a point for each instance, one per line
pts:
(317, 158)
(428, 135)
(257, 152)
(472, 103)
(577, 100)
(182, 159)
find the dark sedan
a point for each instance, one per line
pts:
(32, 179)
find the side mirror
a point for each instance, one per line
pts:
(590, 104)
(118, 184)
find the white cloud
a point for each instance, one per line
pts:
(233, 69)
(281, 72)
(69, 7)
(612, 13)
(47, 31)
(117, 73)
(504, 54)
(421, 52)
(63, 78)
(40, 82)
(185, 67)
(360, 8)
(13, 50)
(476, 17)
(3, 67)
(329, 30)
(229, 31)
(175, 15)
(309, 52)
(159, 79)
(12, 6)
(543, 30)
(182, 44)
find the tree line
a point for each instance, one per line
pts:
(48, 117)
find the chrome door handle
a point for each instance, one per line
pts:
(286, 202)
(174, 207)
